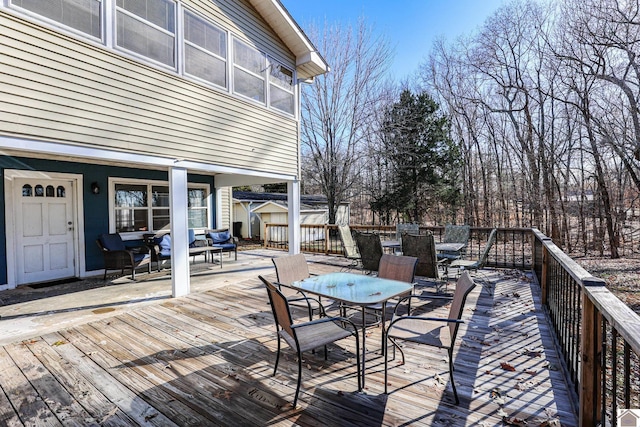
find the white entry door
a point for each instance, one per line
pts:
(44, 229)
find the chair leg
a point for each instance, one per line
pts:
(275, 368)
(453, 384)
(358, 359)
(295, 399)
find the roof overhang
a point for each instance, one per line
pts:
(309, 62)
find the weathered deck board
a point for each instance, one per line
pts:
(207, 359)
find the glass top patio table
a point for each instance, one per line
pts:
(356, 289)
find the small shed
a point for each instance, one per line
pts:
(252, 210)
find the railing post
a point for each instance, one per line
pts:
(327, 240)
(544, 279)
(266, 238)
(590, 413)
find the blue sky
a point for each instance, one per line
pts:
(411, 26)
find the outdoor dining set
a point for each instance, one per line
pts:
(361, 293)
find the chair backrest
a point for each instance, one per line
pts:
(370, 248)
(406, 228)
(111, 242)
(191, 236)
(424, 248)
(456, 233)
(279, 307)
(291, 268)
(401, 268)
(485, 253)
(464, 285)
(350, 248)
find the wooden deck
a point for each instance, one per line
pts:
(207, 359)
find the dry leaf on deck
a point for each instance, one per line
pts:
(507, 367)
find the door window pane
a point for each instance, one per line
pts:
(27, 190)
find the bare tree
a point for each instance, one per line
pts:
(336, 109)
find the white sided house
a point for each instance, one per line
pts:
(132, 116)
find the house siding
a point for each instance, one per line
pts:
(56, 87)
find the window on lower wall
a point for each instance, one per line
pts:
(140, 207)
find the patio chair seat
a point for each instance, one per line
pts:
(316, 335)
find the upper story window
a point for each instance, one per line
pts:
(81, 15)
(168, 33)
(281, 88)
(147, 27)
(248, 71)
(205, 50)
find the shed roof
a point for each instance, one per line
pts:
(250, 196)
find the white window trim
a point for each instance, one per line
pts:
(137, 235)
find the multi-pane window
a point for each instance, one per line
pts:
(145, 207)
(205, 50)
(147, 27)
(248, 71)
(281, 88)
(81, 15)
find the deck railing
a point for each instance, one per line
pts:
(597, 335)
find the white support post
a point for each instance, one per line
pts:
(178, 204)
(218, 223)
(293, 199)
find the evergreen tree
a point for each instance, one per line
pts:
(424, 161)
